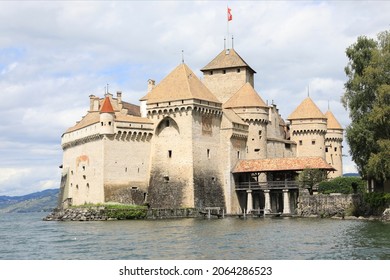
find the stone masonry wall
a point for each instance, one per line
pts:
(322, 205)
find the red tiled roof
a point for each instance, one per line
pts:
(281, 164)
(107, 106)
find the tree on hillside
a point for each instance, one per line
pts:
(367, 97)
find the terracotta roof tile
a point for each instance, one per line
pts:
(246, 96)
(332, 121)
(307, 110)
(106, 106)
(226, 59)
(281, 164)
(180, 84)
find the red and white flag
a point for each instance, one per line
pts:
(229, 14)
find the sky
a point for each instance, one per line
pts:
(54, 54)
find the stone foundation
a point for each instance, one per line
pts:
(322, 205)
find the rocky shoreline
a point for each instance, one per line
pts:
(102, 214)
(78, 214)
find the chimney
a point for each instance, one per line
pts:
(119, 96)
(91, 102)
(151, 84)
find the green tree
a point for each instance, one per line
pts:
(309, 178)
(367, 97)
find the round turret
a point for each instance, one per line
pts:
(107, 117)
(249, 106)
(308, 126)
(333, 145)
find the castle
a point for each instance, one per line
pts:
(197, 143)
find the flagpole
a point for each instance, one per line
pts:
(227, 24)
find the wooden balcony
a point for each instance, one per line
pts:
(270, 185)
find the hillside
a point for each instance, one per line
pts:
(43, 201)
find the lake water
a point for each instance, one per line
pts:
(27, 237)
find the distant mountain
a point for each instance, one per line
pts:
(351, 175)
(35, 202)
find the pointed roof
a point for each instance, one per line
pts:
(307, 110)
(246, 96)
(332, 121)
(107, 106)
(180, 84)
(228, 58)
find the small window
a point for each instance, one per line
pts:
(77, 186)
(83, 167)
(166, 179)
(211, 72)
(84, 177)
(167, 124)
(326, 150)
(109, 123)
(238, 70)
(238, 154)
(101, 123)
(257, 150)
(335, 149)
(287, 146)
(88, 185)
(300, 142)
(208, 153)
(313, 142)
(223, 71)
(169, 153)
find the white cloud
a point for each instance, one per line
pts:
(53, 56)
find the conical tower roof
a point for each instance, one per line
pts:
(180, 84)
(307, 110)
(226, 59)
(246, 96)
(332, 121)
(107, 106)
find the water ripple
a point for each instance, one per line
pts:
(25, 236)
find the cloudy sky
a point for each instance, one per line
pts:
(54, 54)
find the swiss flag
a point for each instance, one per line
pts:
(229, 14)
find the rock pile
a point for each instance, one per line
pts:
(78, 214)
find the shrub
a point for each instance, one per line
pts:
(126, 212)
(375, 203)
(342, 185)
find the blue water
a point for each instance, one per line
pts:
(27, 237)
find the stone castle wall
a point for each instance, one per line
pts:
(224, 83)
(323, 205)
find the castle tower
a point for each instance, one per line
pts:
(107, 116)
(333, 145)
(186, 144)
(249, 106)
(226, 74)
(308, 126)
